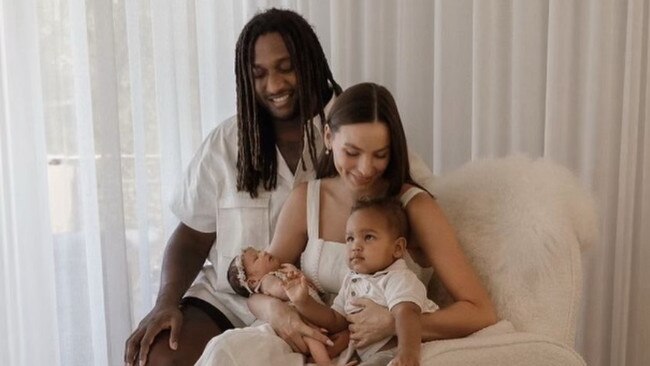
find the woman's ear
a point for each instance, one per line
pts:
(400, 247)
(328, 134)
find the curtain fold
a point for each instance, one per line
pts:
(624, 312)
(104, 102)
(27, 285)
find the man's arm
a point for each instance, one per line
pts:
(185, 254)
(184, 257)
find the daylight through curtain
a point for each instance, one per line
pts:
(104, 102)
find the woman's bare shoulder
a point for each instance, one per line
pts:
(328, 186)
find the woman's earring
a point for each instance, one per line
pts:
(327, 151)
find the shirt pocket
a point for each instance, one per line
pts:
(242, 221)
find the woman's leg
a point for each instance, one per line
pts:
(197, 329)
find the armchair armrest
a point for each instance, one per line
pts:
(500, 346)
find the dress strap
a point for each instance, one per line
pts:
(408, 195)
(313, 208)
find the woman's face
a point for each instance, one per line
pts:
(361, 153)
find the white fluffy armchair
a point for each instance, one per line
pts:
(523, 224)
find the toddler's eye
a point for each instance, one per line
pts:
(349, 239)
(369, 237)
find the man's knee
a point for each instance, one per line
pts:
(167, 359)
(161, 355)
(198, 328)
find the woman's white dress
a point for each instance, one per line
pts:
(325, 264)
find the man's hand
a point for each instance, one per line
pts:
(160, 318)
(184, 256)
(371, 324)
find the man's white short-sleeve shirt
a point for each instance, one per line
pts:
(207, 200)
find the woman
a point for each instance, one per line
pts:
(366, 155)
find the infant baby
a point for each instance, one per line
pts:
(259, 272)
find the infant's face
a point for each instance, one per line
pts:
(370, 242)
(258, 263)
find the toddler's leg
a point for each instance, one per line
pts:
(341, 340)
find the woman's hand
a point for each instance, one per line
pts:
(371, 324)
(289, 326)
(160, 318)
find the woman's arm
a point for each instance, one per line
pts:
(290, 235)
(472, 308)
(285, 321)
(288, 242)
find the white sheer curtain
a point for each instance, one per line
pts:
(104, 102)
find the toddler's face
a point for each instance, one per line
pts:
(258, 263)
(372, 245)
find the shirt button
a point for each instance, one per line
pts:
(353, 293)
(354, 280)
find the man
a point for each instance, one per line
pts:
(236, 184)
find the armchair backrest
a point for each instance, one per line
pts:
(523, 224)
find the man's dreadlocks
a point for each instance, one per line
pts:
(256, 158)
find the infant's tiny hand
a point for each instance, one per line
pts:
(289, 268)
(293, 275)
(296, 288)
